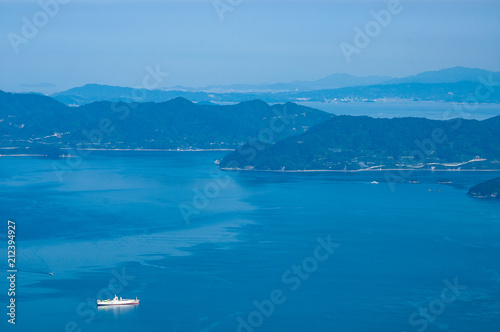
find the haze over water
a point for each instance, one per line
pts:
(418, 109)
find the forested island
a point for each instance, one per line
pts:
(364, 143)
(488, 189)
(280, 137)
(36, 124)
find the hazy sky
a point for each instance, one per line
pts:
(258, 41)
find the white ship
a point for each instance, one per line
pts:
(117, 301)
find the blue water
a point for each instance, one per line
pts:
(421, 109)
(397, 247)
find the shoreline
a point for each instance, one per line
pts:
(154, 150)
(138, 150)
(262, 170)
(22, 155)
(357, 171)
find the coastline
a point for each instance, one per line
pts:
(358, 171)
(138, 150)
(262, 170)
(154, 150)
(22, 155)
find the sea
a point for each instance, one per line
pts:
(421, 109)
(208, 250)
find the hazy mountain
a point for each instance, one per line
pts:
(448, 92)
(336, 81)
(89, 93)
(231, 93)
(332, 81)
(449, 75)
(450, 85)
(27, 119)
(353, 143)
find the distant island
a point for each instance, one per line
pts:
(457, 84)
(488, 189)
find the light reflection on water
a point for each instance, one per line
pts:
(397, 247)
(118, 310)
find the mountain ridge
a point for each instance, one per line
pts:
(175, 124)
(457, 84)
(364, 143)
(447, 75)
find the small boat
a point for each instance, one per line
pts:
(117, 301)
(374, 182)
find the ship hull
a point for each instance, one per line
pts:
(117, 301)
(121, 303)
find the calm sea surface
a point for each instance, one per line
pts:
(206, 250)
(421, 109)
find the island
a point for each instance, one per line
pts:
(488, 189)
(39, 125)
(361, 143)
